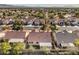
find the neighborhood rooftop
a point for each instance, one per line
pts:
(15, 34)
(65, 37)
(39, 37)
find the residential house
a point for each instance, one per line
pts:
(15, 36)
(33, 24)
(41, 38)
(65, 39)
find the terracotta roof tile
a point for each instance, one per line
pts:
(39, 37)
(15, 34)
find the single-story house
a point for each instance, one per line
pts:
(41, 38)
(15, 36)
(65, 39)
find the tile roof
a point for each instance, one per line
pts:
(65, 37)
(39, 37)
(15, 34)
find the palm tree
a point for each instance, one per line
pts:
(48, 27)
(46, 19)
(53, 29)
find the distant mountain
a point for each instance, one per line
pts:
(39, 5)
(6, 6)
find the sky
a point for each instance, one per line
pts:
(47, 5)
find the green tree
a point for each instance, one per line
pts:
(17, 25)
(17, 48)
(5, 47)
(31, 49)
(53, 28)
(46, 50)
(76, 42)
(5, 27)
(51, 15)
